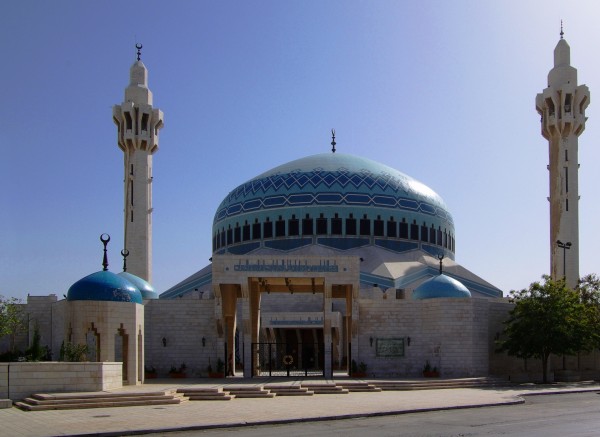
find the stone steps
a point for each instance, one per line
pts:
(437, 384)
(289, 390)
(206, 394)
(325, 389)
(44, 401)
(249, 391)
(359, 387)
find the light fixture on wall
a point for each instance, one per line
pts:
(203, 341)
(408, 340)
(164, 341)
(371, 341)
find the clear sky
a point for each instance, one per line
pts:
(444, 91)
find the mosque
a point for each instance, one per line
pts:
(326, 265)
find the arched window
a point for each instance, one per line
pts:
(351, 225)
(392, 228)
(378, 227)
(365, 226)
(414, 231)
(280, 227)
(321, 225)
(293, 226)
(256, 230)
(307, 225)
(268, 229)
(336, 225)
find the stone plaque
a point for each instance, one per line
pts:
(389, 347)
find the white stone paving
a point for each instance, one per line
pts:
(17, 423)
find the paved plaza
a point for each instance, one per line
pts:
(241, 412)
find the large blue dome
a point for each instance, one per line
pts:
(440, 286)
(145, 288)
(331, 195)
(104, 286)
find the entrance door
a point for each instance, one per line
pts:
(298, 355)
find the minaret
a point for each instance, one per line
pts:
(562, 108)
(138, 124)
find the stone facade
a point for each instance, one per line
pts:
(113, 331)
(175, 330)
(450, 334)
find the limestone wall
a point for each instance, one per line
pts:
(452, 334)
(182, 322)
(19, 380)
(119, 329)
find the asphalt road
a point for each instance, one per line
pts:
(550, 415)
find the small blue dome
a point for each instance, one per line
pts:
(145, 288)
(440, 286)
(104, 286)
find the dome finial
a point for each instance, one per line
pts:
(125, 254)
(440, 257)
(561, 30)
(105, 259)
(139, 51)
(333, 140)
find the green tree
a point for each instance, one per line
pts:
(36, 351)
(12, 319)
(550, 318)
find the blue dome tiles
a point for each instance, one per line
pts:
(441, 286)
(332, 179)
(333, 196)
(104, 286)
(145, 288)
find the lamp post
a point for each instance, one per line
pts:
(564, 247)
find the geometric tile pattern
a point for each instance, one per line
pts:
(319, 187)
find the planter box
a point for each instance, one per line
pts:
(431, 374)
(216, 375)
(359, 375)
(177, 375)
(150, 375)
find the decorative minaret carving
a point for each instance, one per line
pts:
(138, 124)
(562, 108)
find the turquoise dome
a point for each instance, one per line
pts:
(331, 196)
(145, 288)
(104, 286)
(440, 286)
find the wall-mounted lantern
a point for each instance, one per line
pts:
(371, 341)
(164, 342)
(203, 341)
(408, 341)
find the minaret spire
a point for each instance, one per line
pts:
(561, 30)
(104, 241)
(333, 141)
(562, 108)
(138, 124)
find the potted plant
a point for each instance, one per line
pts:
(150, 372)
(358, 370)
(429, 372)
(178, 373)
(220, 373)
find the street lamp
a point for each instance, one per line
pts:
(564, 247)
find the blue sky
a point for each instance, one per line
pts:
(441, 90)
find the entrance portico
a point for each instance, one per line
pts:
(248, 278)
